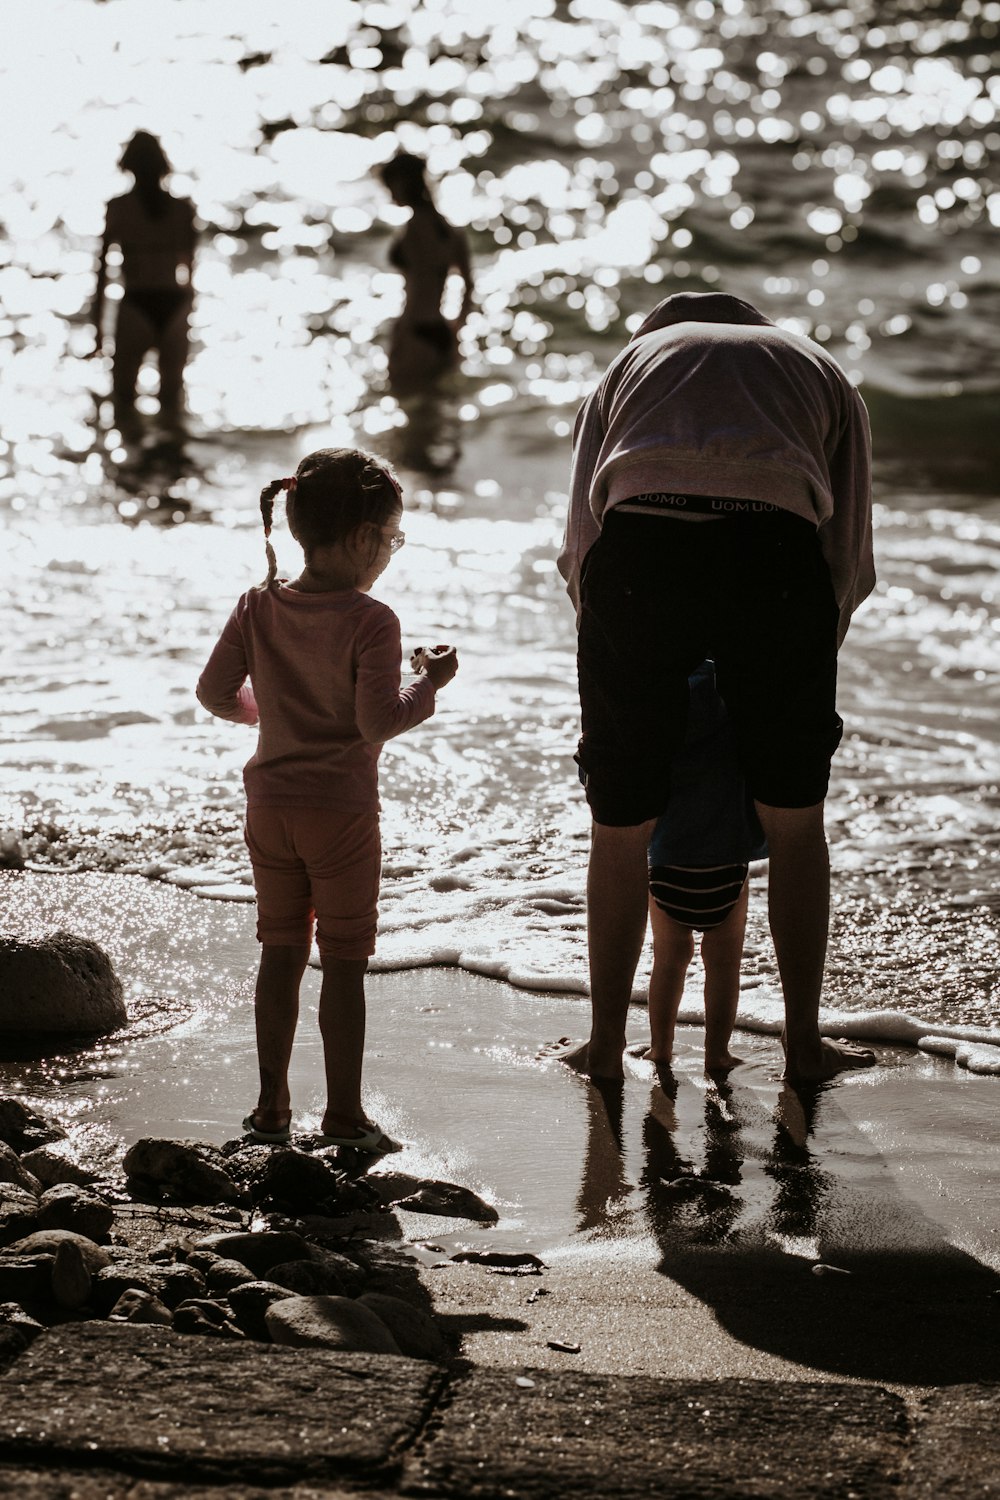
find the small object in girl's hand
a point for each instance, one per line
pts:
(423, 654)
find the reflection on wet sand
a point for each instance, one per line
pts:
(784, 1219)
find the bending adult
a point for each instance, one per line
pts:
(155, 233)
(424, 343)
(720, 507)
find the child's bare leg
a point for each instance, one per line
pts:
(673, 949)
(276, 1006)
(342, 1027)
(722, 955)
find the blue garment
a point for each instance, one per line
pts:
(710, 819)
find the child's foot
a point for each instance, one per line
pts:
(269, 1126)
(659, 1056)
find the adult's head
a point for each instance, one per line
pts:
(146, 159)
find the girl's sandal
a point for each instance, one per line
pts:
(373, 1140)
(277, 1137)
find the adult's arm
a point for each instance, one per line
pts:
(223, 687)
(582, 529)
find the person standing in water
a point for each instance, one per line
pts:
(155, 232)
(720, 507)
(323, 660)
(424, 343)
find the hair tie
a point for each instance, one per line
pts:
(289, 484)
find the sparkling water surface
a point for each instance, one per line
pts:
(836, 167)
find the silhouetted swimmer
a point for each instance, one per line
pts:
(155, 233)
(424, 343)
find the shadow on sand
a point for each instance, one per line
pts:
(793, 1230)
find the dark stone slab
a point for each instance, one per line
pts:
(32, 1484)
(956, 1447)
(153, 1403)
(628, 1438)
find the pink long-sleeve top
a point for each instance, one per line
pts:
(711, 398)
(323, 689)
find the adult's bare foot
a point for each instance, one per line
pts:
(580, 1057)
(820, 1063)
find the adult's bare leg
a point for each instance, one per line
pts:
(798, 900)
(617, 896)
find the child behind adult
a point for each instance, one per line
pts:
(323, 661)
(698, 877)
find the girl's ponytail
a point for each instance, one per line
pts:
(267, 498)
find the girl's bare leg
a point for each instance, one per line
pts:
(722, 955)
(342, 1027)
(276, 1010)
(673, 949)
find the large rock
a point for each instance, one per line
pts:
(63, 985)
(71, 1278)
(185, 1171)
(250, 1303)
(299, 1181)
(25, 1278)
(415, 1331)
(73, 1208)
(323, 1272)
(18, 1213)
(15, 1173)
(214, 1416)
(257, 1251)
(22, 1129)
(449, 1200)
(52, 1165)
(307, 1278)
(47, 1242)
(329, 1323)
(171, 1284)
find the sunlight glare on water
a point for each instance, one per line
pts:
(836, 167)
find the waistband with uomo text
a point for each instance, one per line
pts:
(666, 502)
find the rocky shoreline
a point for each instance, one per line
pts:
(289, 1244)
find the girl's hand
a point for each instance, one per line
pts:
(439, 662)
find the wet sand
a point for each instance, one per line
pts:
(682, 1222)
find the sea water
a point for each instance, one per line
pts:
(836, 167)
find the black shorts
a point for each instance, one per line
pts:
(660, 595)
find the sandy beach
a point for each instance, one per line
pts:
(686, 1228)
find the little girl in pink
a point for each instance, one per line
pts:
(323, 661)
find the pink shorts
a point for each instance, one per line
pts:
(316, 863)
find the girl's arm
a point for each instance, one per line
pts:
(381, 708)
(223, 687)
